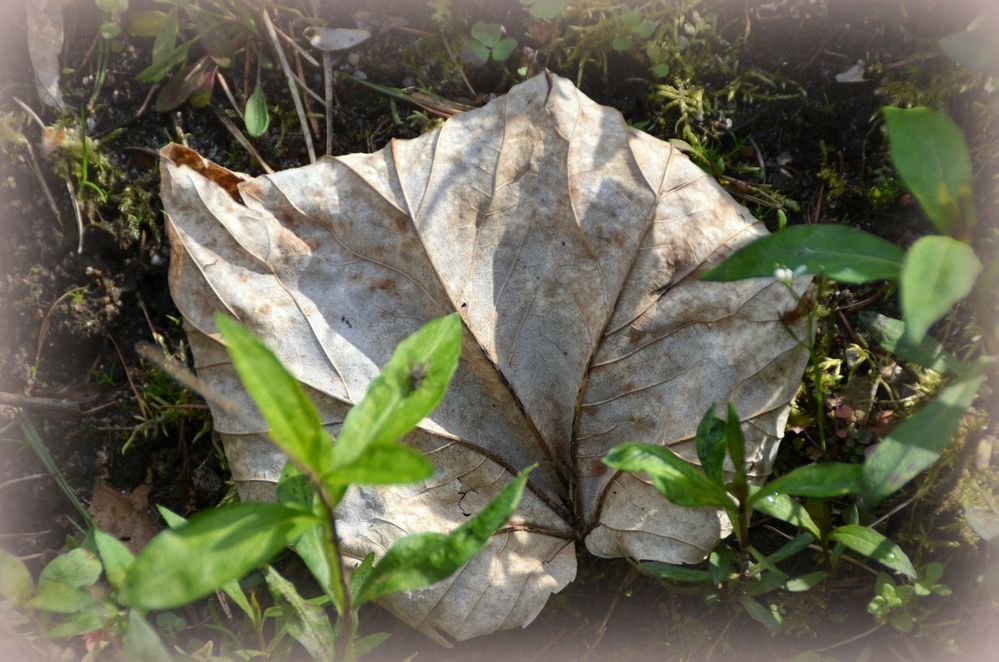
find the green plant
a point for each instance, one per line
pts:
(933, 275)
(755, 573)
(488, 42)
(231, 541)
(893, 603)
(545, 9)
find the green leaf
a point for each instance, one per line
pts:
(115, 555)
(674, 477)
(294, 423)
(806, 582)
(230, 588)
(545, 10)
(759, 613)
(622, 42)
(932, 159)
(765, 582)
(488, 34)
(158, 70)
(141, 641)
(891, 335)
(183, 84)
(835, 251)
(710, 443)
(917, 442)
(383, 465)
(788, 510)
(166, 37)
(736, 445)
(145, 23)
(481, 52)
(306, 623)
(368, 643)
(409, 387)
(255, 115)
(421, 559)
(216, 546)
(60, 598)
(791, 548)
(15, 579)
(502, 50)
(294, 489)
(937, 273)
(676, 573)
(360, 574)
(873, 545)
(95, 617)
(815, 480)
(78, 568)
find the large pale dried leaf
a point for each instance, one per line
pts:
(571, 246)
(45, 35)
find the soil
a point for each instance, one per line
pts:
(71, 321)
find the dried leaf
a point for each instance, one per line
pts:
(45, 35)
(571, 246)
(335, 39)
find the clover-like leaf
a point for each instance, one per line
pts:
(571, 246)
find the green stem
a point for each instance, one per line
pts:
(341, 591)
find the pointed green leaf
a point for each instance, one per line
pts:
(759, 613)
(230, 588)
(216, 546)
(929, 152)
(806, 582)
(787, 510)
(710, 443)
(77, 568)
(421, 559)
(837, 252)
(676, 573)
(891, 335)
(674, 477)
(815, 480)
(917, 442)
(736, 445)
(937, 273)
(115, 555)
(60, 598)
(409, 387)
(873, 545)
(383, 465)
(305, 622)
(141, 641)
(294, 424)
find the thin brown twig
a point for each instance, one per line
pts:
(602, 629)
(22, 479)
(242, 140)
(292, 87)
(457, 63)
(306, 99)
(43, 330)
(294, 44)
(228, 93)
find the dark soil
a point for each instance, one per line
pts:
(70, 322)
